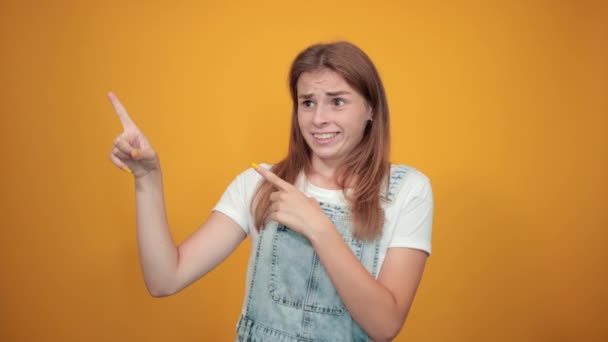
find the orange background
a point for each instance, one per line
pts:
(504, 105)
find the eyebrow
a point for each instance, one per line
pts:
(331, 93)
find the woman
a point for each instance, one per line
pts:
(339, 236)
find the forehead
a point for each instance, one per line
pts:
(322, 80)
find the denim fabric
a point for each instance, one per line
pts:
(291, 297)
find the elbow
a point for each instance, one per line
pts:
(388, 332)
(162, 285)
(385, 336)
(159, 291)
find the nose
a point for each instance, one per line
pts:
(320, 117)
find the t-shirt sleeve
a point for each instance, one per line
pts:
(415, 218)
(234, 203)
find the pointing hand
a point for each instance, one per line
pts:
(132, 151)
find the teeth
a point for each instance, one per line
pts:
(325, 135)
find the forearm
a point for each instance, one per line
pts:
(157, 251)
(370, 304)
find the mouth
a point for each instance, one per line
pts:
(325, 138)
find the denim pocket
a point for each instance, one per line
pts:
(298, 279)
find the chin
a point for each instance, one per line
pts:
(326, 156)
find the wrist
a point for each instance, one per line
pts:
(151, 180)
(319, 229)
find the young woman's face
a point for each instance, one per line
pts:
(332, 116)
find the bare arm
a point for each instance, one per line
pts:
(379, 306)
(166, 268)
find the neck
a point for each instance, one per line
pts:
(323, 173)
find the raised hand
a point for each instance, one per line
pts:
(292, 208)
(132, 151)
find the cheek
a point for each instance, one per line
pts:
(359, 130)
(302, 121)
(302, 127)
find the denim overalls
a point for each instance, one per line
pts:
(291, 297)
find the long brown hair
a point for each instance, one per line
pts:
(367, 166)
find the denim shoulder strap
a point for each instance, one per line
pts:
(397, 175)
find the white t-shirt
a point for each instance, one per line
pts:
(407, 223)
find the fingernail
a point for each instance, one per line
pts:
(126, 169)
(135, 153)
(254, 165)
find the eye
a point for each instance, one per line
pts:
(308, 103)
(339, 102)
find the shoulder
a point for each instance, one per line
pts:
(409, 217)
(250, 177)
(409, 182)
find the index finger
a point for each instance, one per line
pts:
(272, 178)
(123, 116)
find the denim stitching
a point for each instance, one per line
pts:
(254, 327)
(341, 216)
(253, 272)
(355, 246)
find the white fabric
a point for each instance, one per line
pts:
(408, 219)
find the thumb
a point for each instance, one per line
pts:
(143, 154)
